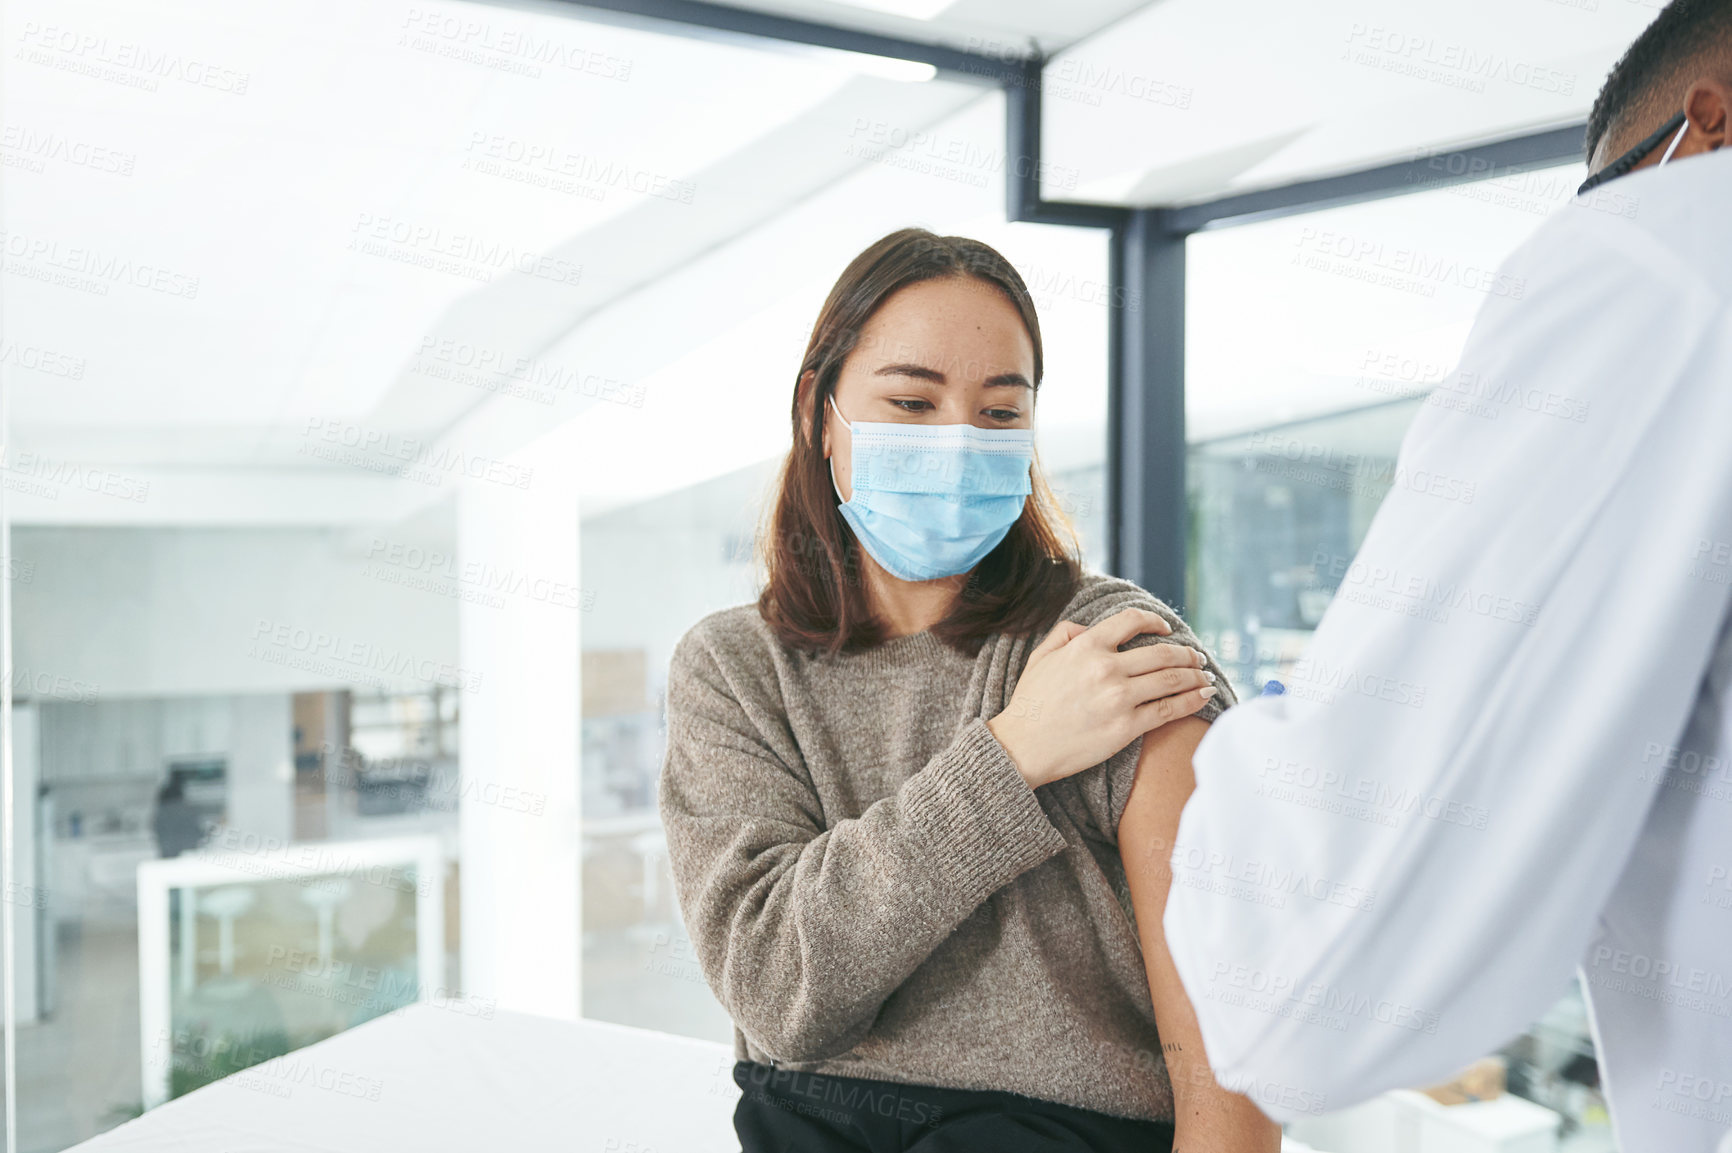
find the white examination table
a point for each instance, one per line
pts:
(431, 1079)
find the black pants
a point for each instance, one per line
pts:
(785, 1112)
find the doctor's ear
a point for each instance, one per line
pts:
(1708, 104)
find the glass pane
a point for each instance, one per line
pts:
(239, 967)
(1360, 315)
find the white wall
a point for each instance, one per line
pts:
(109, 612)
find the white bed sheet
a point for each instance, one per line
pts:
(431, 1079)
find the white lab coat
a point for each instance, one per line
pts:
(1508, 750)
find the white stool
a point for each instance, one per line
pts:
(225, 905)
(324, 898)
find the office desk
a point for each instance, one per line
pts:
(431, 1079)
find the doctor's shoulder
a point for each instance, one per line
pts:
(1669, 222)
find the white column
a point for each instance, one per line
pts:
(261, 766)
(520, 739)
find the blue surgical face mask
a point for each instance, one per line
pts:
(931, 500)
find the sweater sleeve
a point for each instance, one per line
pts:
(803, 931)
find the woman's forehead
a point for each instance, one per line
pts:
(960, 327)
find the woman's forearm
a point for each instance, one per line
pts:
(1208, 1118)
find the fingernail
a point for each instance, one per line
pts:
(1207, 693)
(1210, 675)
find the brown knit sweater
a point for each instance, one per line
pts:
(874, 891)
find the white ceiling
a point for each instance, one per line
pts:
(230, 225)
(1187, 100)
(343, 180)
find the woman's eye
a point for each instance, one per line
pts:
(1002, 413)
(912, 405)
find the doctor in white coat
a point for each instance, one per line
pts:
(1506, 756)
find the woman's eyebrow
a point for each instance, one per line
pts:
(921, 372)
(916, 370)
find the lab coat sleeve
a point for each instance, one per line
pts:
(1395, 868)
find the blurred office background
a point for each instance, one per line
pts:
(390, 386)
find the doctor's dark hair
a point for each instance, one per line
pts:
(814, 598)
(1648, 84)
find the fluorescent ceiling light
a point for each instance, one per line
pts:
(887, 67)
(864, 63)
(913, 9)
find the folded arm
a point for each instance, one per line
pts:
(804, 930)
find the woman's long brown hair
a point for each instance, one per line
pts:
(814, 598)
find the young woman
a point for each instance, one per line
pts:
(901, 791)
